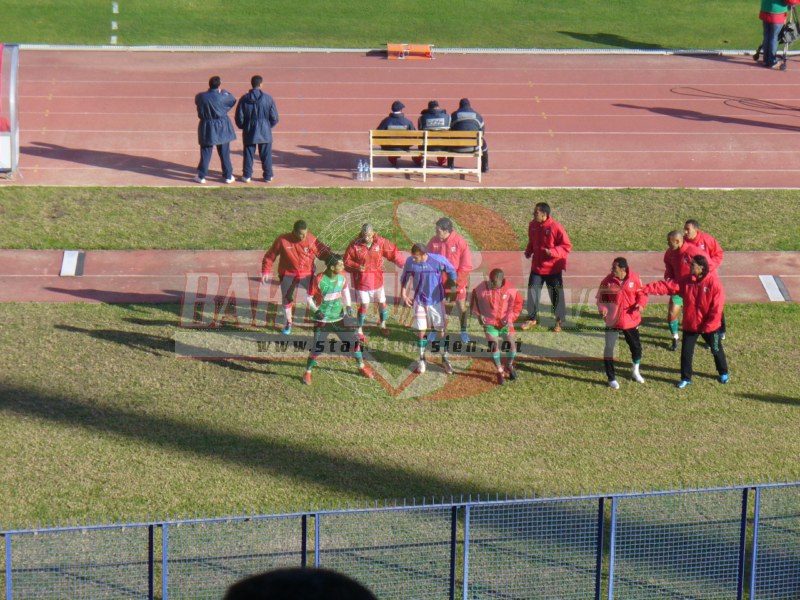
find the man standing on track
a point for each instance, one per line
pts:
(215, 129)
(425, 271)
(256, 115)
(548, 248)
(497, 305)
(363, 259)
(620, 299)
(704, 301)
(677, 264)
(454, 248)
(296, 251)
(692, 234)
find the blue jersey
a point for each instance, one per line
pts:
(427, 278)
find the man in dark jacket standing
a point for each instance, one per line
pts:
(256, 115)
(467, 118)
(215, 128)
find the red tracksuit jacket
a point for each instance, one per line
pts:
(358, 254)
(455, 249)
(296, 257)
(703, 300)
(551, 235)
(617, 298)
(709, 245)
(677, 263)
(498, 307)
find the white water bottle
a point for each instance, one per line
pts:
(360, 175)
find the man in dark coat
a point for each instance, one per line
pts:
(215, 128)
(434, 118)
(397, 120)
(467, 118)
(256, 115)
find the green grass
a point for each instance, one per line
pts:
(100, 420)
(189, 218)
(713, 24)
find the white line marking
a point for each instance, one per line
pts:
(69, 263)
(115, 8)
(771, 287)
(113, 39)
(114, 26)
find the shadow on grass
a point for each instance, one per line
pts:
(121, 296)
(774, 398)
(611, 39)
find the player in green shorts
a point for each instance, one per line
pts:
(328, 301)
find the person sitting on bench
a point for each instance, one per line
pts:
(434, 118)
(397, 120)
(467, 118)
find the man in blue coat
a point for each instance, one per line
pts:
(256, 115)
(467, 118)
(215, 128)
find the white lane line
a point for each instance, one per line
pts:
(772, 289)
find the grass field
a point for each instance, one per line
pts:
(648, 24)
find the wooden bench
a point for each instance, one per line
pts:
(427, 145)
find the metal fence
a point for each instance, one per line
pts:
(699, 544)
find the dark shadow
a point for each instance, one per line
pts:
(611, 39)
(117, 161)
(691, 115)
(123, 297)
(740, 102)
(774, 398)
(327, 161)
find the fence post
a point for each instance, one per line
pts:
(600, 527)
(316, 539)
(304, 541)
(753, 567)
(453, 541)
(466, 553)
(150, 563)
(742, 543)
(9, 587)
(612, 553)
(164, 561)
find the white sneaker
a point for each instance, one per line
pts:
(637, 377)
(230, 179)
(245, 180)
(199, 179)
(420, 367)
(613, 384)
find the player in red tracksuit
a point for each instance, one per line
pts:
(363, 259)
(296, 252)
(454, 248)
(677, 261)
(548, 248)
(620, 299)
(497, 305)
(703, 302)
(692, 234)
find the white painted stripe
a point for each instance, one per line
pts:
(114, 26)
(113, 39)
(772, 289)
(114, 8)
(69, 263)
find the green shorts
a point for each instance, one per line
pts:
(676, 300)
(495, 332)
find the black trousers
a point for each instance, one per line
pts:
(714, 341)
(555, 289)
(634, 343)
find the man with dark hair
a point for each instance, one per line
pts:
(299, 583)
(434, 118)
(296, 252)
(692, 234)
(424, 272)
(704, 300)
(397, 121)
(677, 261)
(467, 118)
(548, 249)
(497, 305)
(620, 299)
(256, 115)
(215, 128)
(454, 248)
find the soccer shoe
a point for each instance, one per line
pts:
(465, 337)
(528, 324)
(230, 179)
(683, 383)
(557, 326)
(307, 378)
(501, 378)
(722, 335)
(245, 180)
(637, 377)
(287, 330)
(448, 368)
(511, 373)
(420, 367)
(199, 179)
(613, 384)
(366, 372)
(724, 378)
(673, 345)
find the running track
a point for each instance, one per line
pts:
(127, 118)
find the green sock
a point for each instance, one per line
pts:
(310, 364)
(673, 327)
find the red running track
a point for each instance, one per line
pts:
(127, 117)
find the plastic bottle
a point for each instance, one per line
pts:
(360, 173)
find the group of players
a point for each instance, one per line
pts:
(437, 273)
